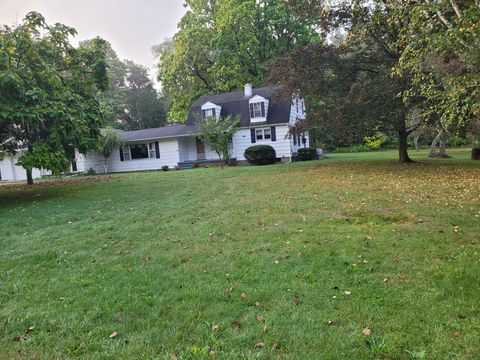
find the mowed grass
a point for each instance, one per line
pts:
(200, 264)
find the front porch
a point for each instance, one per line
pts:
(193, 152)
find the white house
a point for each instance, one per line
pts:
(265, 118)
(10, 171)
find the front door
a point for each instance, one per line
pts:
(200, 149)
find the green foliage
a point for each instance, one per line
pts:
(222, 45)
(306, 154)
(110, 140)
(47, 91)
(376, 141)
(130, 102)
(441, 55)
(90, 172)
(165, 168)
(260, 155)
(352, 149)
(218, 133)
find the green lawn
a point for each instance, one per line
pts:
(207, 263)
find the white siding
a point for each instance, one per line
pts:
(11, 172)
(169, 155)
(242, 140)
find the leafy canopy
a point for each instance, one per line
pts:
(47, 92)
(223, 44)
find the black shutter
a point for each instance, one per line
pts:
(252, 115)
(295, 139)
(273, 133)
(252, 135)
(203, 115)
(157, 150)
(121, 154)
(213, 113)
(263, 109)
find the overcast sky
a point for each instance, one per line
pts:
(131, 26)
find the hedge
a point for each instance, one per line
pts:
(305, 154)
(260, 155)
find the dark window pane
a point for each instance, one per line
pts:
(139, 151)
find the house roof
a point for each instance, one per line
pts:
(236, 103)
(161, 132)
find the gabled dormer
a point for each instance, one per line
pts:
(258, 107)
(210, 109)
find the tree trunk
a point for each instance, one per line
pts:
(29, 177)
(403, 147)
(417, 144)
(476, 153)
(441, 141)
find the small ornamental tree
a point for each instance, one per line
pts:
(109, 141)
(218, 132)
(48, 104)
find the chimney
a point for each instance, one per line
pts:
(248, 90)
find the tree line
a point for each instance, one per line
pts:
(365, 66)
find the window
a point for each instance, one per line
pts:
(139, 151)
(257, 110)
(263, 134)
(297, 104)
(151, 150)
(207, 113)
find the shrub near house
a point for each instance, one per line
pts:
(260, 155)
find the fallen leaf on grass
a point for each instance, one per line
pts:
(243, 295)
(29, 330)
(261, 318)
(236, 325)
(297, 300)
(17, 338)
(215, 327)
(330, 322)
(402, 277)
(348, 292)
(113, 335)
(257, 304)
(366, 331)
(259, 345)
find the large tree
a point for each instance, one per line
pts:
(131, 101)
(442, 55)
(223, 44)
(47, 93)
(352, 81)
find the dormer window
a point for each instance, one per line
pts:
(211, 110)
(208, 113)
(257, 110)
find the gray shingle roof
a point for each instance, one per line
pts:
(232, 103)
(161, 132)
(236, 103)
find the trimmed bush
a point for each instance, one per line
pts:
(165, 168)
(90, 172)
(306, 154)
(260, 155)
